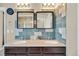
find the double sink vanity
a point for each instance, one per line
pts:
(43, 22)
(35, 48)
(38, 33)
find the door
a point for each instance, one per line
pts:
(1, 28)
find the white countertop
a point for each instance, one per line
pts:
(36, 43)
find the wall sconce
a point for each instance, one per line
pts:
(52, 5)
(48, 6)
(23, 5)
(44, 4)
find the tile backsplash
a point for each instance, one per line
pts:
(27, 33)
(58, 32)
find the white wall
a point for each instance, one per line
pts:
(71, 25)
(78, 29)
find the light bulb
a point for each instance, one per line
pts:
(48, 4)
(26, 4)
(63, 4)
(18, 4)
(44, 4)
(22, 4)
(52, 3)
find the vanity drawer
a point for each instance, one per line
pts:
(54, 50)
(10, 54)
(35, 54)
(21, 54)
(16, 54)
(35, 50)
(51, 54)
(15, 50)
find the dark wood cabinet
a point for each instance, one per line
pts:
(54, 54)
(16, 50)
(54, 50)
(35, 51)
(35, 54)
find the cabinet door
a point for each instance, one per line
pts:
(21, 54)
(57, 54)
(35, 50)
(10, 54)
(16, 50)
(35, 54)
(54, 50)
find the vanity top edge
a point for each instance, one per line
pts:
(36, 43)
(34, 46)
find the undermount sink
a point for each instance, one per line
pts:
(36, 42)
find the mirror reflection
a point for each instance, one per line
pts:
(25, 19)
(44, 19)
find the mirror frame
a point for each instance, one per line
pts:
(45, 12)
(24, 12)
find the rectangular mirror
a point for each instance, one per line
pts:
(25, 19)
(45, 19)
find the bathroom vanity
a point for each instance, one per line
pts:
(35, 32)
(36, 48)
(35, 51)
